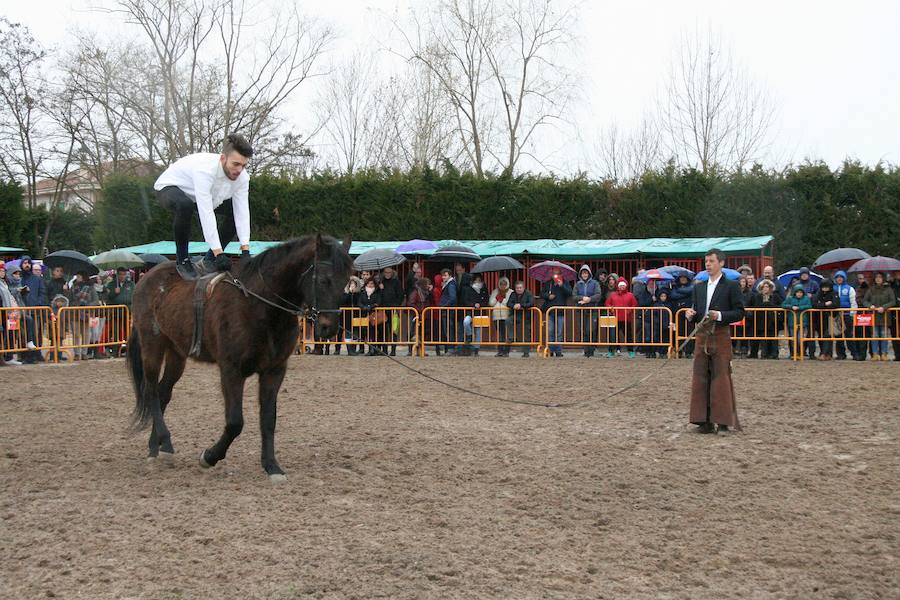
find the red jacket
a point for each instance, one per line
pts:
(622, 298)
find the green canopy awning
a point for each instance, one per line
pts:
(650, 247)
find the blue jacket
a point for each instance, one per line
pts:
(448, 294)
(590, 288)
(37, 289)
(845, 291)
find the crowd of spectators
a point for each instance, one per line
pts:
(27, 285)
(644, 332)
(506, 309)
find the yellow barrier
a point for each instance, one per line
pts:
(24, 325)
(103, 328)
(601, 326)
(765, 327)
(467, 329)
(389, 326)
(856, 327)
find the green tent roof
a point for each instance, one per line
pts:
(9, 249)
(652, 247)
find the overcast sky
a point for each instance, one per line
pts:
(831, 67)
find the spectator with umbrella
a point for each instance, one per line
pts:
(391, 297)
(894, 318)
(419, 298)
(460, 256)
(352, 291)
(499, 301)
(554, 292)
(120, 291)
(682, 297)
(448, 299)
(880, 297)
(588, 294)
(83, 294)
(521, 301)
(368, 302)
(475, 296)
(646, 297)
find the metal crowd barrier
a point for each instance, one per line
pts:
(648, 327)
(389, 326)
(27, 324)
(464, 328)
(759, 325)
(82, 327)
(857, 326)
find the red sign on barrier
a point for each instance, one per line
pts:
(739, 323)
(12, 324)
(863, 320)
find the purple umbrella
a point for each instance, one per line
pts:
(13, 263)
(543, 271)
(885, 264)
(414, 246)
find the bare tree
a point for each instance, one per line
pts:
(713, 116)
(524, 63)
(450, 40)
(22, 88)
(205, 75)
(626, 156)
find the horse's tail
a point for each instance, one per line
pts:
(142, 415)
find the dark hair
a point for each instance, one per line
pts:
(447, 271)
(121, 270)
(720, 256)
(236, 143)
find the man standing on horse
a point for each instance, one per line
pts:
(209, 184)
(712, 391)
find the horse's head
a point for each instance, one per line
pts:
(310, 272)
(322, 287)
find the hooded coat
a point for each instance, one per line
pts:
(622, 298)
(37, 289)
(803, 304)
(846, 293)
(590, 288)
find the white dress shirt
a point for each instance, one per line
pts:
(710, 288)
(202, 178)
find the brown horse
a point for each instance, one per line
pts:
(250, 326)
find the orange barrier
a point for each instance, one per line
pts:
(24, 325)
(609, 327)
(760, 326)
(105, 328)
(831, 326)
(389, 326)
(466, 328)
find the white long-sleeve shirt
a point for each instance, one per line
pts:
(202, 178)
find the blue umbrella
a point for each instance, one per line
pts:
(676, 271)
(415, 246)
(785, 278)
(655, 274)
(729, 273)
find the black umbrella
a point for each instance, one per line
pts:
(153, 259)
(71, 262)
(456, 253)
(497, 263)
(839, 258)
(378, 258)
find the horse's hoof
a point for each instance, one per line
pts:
(203, 463)
(151, 458)
(166, 457)
(277, 477)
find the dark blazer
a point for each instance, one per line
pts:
(726, 299)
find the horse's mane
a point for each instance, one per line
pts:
(282, 253)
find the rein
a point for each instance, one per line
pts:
(705, 326)
(311, 312)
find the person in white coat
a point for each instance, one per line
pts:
(208, 184)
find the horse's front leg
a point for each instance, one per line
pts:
(269, 384)
(233, 390)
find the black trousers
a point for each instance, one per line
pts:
(184, 209)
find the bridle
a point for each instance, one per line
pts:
(309, 311)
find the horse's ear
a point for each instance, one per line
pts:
(319, 242)
(347, 242)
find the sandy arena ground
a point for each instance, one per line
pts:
(400, 488)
